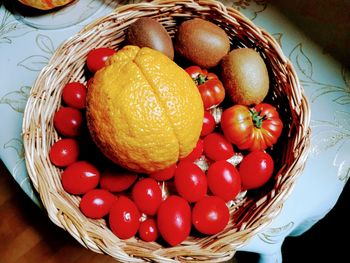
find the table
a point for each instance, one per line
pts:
(27, 42)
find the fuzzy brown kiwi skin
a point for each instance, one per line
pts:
(147, 32)
(201, 42)
(245, 76)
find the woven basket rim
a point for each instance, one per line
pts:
(63, 209)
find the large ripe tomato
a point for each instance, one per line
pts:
(255, 169)
(174, 220)
(252, 129)
(96, 58)
(217, 147)
(124, 218)
(210, 87)
(64, 152)
(116, 179)
(68, 121)
(224, 180)
(96, 203)
(210, 215)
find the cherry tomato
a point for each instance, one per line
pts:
(80, 177)
(96, 58)
(217, 147)
(224, 180)
(196, 152)
(164, 174)
(147, 195)
(208, 124)
(256, 169)
(124, 218)
(210, 215)
(190, 181)
(116, 179)
(148, 230)
(252, 128)
(74, 95)
(174, 220)
(210, 87)
(96, 203)
(64, 152)
(68, 121)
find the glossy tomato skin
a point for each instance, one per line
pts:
(224, 180)
(148, 230)
(115, 179)
(96, 203)
(74, 95)
(196, 152)
(80, 177)
(147, 195)
(208, 124)
(96, 58)
(252, 128)
(217, 147)
(124, 218)
(210, 215)
(190, 181)
(165, 174)
(64, 152)
(68, 121)
(256, 169)
(174, 220)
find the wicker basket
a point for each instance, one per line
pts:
(248, 218)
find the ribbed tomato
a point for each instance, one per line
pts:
(252, 129)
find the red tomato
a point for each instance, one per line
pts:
(80, 177)
(210, 215)
(210, 87)
(256, 169)
(148, 230)
(164, 174)
(217, 147)
(147, 196)
(124, 218)
(64, 152)
(68, 121)
(96, 58)
(196, 152)
(96, 203)
(252, 128)
(74, 95)
(116, 179)
(224, 180)
(208, 124)
(174, 220)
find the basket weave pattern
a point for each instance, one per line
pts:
(67, 65)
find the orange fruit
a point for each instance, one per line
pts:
(143, 111)
(45, 4)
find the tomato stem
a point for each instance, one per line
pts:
(200, 79)
(257, 119)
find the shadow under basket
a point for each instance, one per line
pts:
(247, 218)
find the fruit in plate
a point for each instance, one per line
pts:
(252, 129)
(144, 112)
(148, 32)
(45, 4)
(201, 42)
(245, 77)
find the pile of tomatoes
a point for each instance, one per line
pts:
(169, 203)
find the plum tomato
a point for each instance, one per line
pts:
(190, 181)
(174, 220)
(210, 215)
(96, 203)
(148, 230)
(74, 95)
(256, 169)
(117, 179)
(208, 124)
(196, 152)
(147, 195)
(80, 177)
(64, 152)
(224, 180)
(124, 218)
(217, 147)
(96, 58)
(165, 174)
(68, 121)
